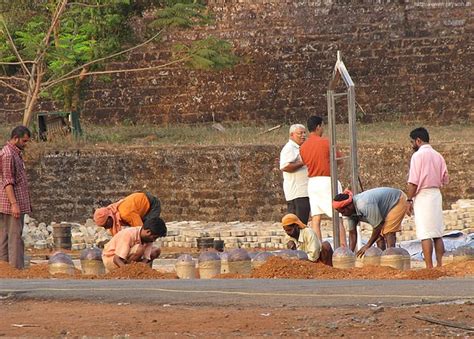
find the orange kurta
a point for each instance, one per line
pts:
(315, 155)
(133, 208)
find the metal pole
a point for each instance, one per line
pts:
(354, 158)
(333, 161)
(340, 72)
(353, 139)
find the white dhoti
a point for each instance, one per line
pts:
(428, 209)
(320, 196)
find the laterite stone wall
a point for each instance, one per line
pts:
(206, 183)
(410, 60)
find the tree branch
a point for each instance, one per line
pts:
(62, 78)
(17, 63)
(116, 71)
(12, 110)
(445, 322)
(57, 13)
(13, 88)
(13, 78)
(15, 50)
(85, 5)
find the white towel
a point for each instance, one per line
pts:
(428, 209)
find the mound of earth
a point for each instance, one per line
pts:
(138, 271)
(281, 268)
(41, 271)
(275, 267)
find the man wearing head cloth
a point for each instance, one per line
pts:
(303, 238)
(383, 208)
(137, 209)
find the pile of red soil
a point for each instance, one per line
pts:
(36, 271)
(137, 271)
(41, 271)
(277, 267)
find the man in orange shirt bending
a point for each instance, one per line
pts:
(137, 209)
(315, 155)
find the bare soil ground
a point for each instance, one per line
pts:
(42, 318)
(47, 318)
(275, 267)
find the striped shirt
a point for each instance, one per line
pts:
(13, 172)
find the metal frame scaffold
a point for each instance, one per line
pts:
(340, 72)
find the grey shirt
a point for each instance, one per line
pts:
(372, 206)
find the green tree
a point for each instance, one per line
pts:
(48, 48)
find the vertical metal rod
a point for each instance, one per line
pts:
(354, 158)
(353, 139)
(333, 162)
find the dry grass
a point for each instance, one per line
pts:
(240, 134)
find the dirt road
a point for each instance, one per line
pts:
(76, 318)
(234, 307)
(246, 292)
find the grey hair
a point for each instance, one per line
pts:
(294, 127)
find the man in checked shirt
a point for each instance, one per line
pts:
(14, 197)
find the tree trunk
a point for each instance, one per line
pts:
(76, 95)
(33, 93)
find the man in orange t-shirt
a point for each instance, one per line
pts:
(137, 209)
(315, 155)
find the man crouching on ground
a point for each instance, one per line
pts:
(303, 238)
(134, 244)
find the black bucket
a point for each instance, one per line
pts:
(205, 243)
(219, 245)
(62, 236)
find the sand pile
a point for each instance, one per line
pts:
(41, 271)
(138, 271)
(277, 267)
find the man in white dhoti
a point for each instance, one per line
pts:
(428, 173)
(315, 155)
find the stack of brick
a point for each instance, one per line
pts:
(234, 234)
(464, 217)
(459, 218)
(270, 235)
(258, 234)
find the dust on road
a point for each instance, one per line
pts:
(74, 318)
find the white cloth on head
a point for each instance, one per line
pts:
(320, 195)
(428, 209)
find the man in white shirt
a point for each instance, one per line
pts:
(295, 174)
